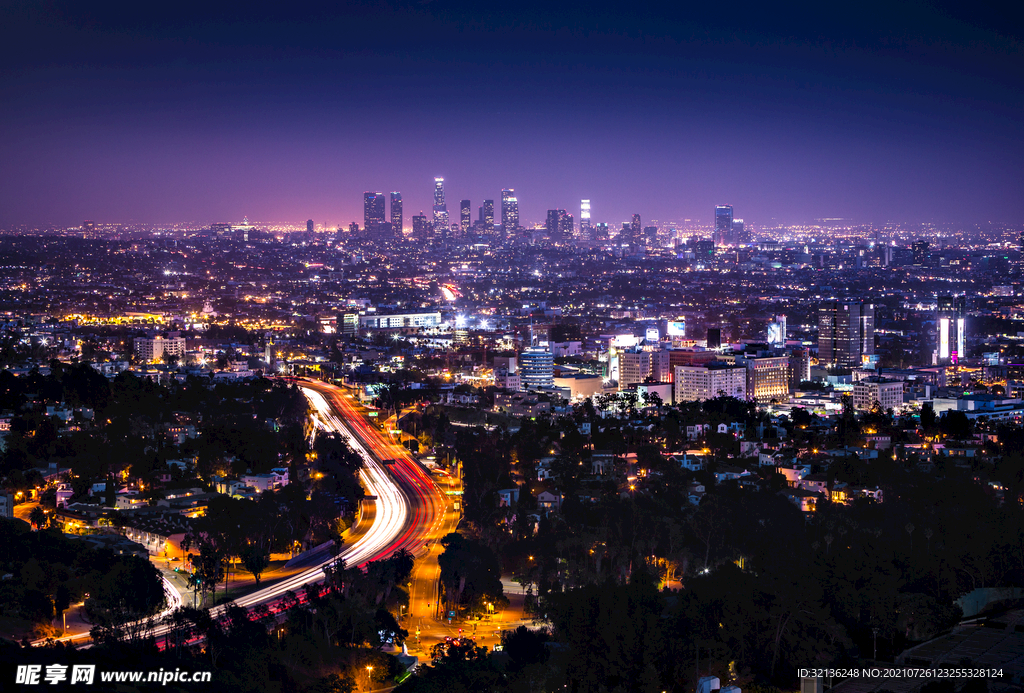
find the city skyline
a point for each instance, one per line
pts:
(896, 113)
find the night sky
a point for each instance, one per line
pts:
(164, 112)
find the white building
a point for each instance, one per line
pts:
(391, 321)
(6, 505)
(888, 393)
(154, 349)
(693, 383)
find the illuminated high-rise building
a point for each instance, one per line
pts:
(846, 333)
(723, 224)
(439, 192)
(950, 333)
(440, 208)
(739, 234)
(509, 212)
(920, 252)
(309, 226)
(536, 367)
(396, 214)
(465, 216)
(559, 224)
(584, 214)
(373, 212)
(422, 228)
(635, 230)
(487, 215)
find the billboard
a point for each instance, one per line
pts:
(677, 328)
(944, 338)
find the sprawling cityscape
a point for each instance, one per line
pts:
(745, 416)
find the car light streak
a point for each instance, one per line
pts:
(409, 506)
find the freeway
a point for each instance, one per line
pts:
(409, 508)
(426, 502)
(432, 518)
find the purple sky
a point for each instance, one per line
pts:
(884, 112)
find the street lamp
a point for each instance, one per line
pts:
(369, 670)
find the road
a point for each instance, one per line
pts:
(432, 498)
(408, 511)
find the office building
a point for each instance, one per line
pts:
(585, 217)
(639, 365)
(698, 383)
(767, 377)
(739, 234)
(465, 216)
(348, 325)
(487, 215)
(509, 212)
(559, 225)
(887, 393)
(920, 252)
(723, 224)
(714, 338)
(799, 368)
(846, 333)
(422, 227)
(440, 209)
(373, 212)
(153, 349)
(704, 250)
(950, 324)
(404, 321)
(309, 226)
(396, 214)
(536, 367)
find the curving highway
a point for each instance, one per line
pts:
(409, 508)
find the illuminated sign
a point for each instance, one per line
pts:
(677, 328)
(944, 338)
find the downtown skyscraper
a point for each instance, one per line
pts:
(373, 212)
(559, 225)
(846, 333)
(723, 224)
(396, 214)
(487, 215)
(509, 212)
(440, 209)
(465, 216)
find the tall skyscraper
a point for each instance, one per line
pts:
(723, 224)
(396, 214)
(559, 224)
(422, 228)
(309, 226)
(373, 212)
(465, 216)
(487, 215)
(439, 192)
(950, 324)
(509, 212)
(739, 234)
(846, 333)
(635, 231)
(440, 209)
(584, 216)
